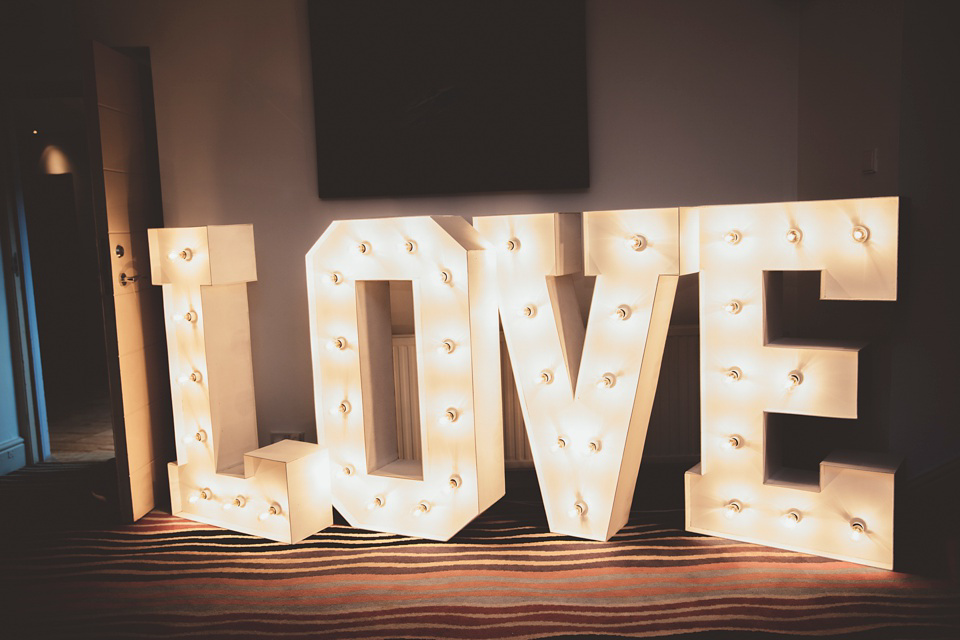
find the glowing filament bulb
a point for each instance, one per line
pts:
(347, 470)
(422, 507)
(578, 510)
(638, 243)
(857, 529)
(794, 379)
(450, 415)
(364, 248)
(203, 494)
(447, 346)
(607, 381)
(794, 236)
(184, 254)
(594, 446)
(454, 482)
(199, 436)
(733, 374)
(272, 510)
(193, 376)
(410, 246)
(733, 508)
(559, 444)
(376, 503)
(239, 503)
(189, 316)
(512, 244)
(341, 409)
(733, 307)
(446, 277)
(860, 233)
(732, 236)
(335, 277)
(791, 519)
(622, 312)
(529, 311)
(733, 442)
(545, 377)
(337, 344)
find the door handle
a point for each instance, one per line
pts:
(125, 279)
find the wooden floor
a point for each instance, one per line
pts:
(84, 434)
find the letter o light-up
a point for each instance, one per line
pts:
(787, 376)
(604, 375)
(459, 389)
(221, 477)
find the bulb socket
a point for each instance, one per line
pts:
(732, 237)
(733, 307)
(410, 246)
(638, 243)
(364, 248)
(450, 415)
(794, 236)
(512, 244)
(545, 377)
(733, 374)
(860, 233)
(335, 277)
(529, 311)
(607, 381)
(622, 312)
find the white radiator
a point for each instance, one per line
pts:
(674, 424)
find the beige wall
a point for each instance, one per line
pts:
(690, 103)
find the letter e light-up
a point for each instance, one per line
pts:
(220, 477)
(586, 393)
(458, 365)
(738, 491)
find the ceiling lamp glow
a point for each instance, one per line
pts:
(787, 376)
(221, 477)
(452, 276)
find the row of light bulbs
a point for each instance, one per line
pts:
(859, 233)
(793, 380)
(238, 502)
(793, 517)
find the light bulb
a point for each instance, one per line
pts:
(733, 442)
(199, 436)
(594, 446)
(732, 236)
(607, 381)
(638, 243)
(450, 415)
(733, 307)
(347, 470)
(512, 244)
(341, 409)
(794, 236)
(410, 246)
(446, 277)
(376, 503)
(794, 379)
(272, 510)
(447, 346)
(189, 316)
(560, 443)
(239, 502)
(364, 248)
(791, 519)
(203, 494)
(422, 507)
(184, 254)
(454, 482)
(337, 344)
(529, 311)
(335, 277)
(733, 508)
(860, 233)
(545, 377)
(578, 510)
(733, 374)
(193, 376)
(857, 529)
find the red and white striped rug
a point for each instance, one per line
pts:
(504, 576)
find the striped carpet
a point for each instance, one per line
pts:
(504, 576)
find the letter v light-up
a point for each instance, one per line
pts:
(586, 393)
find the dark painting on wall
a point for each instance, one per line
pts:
(417, 97)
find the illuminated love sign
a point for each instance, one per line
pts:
(586, 389)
